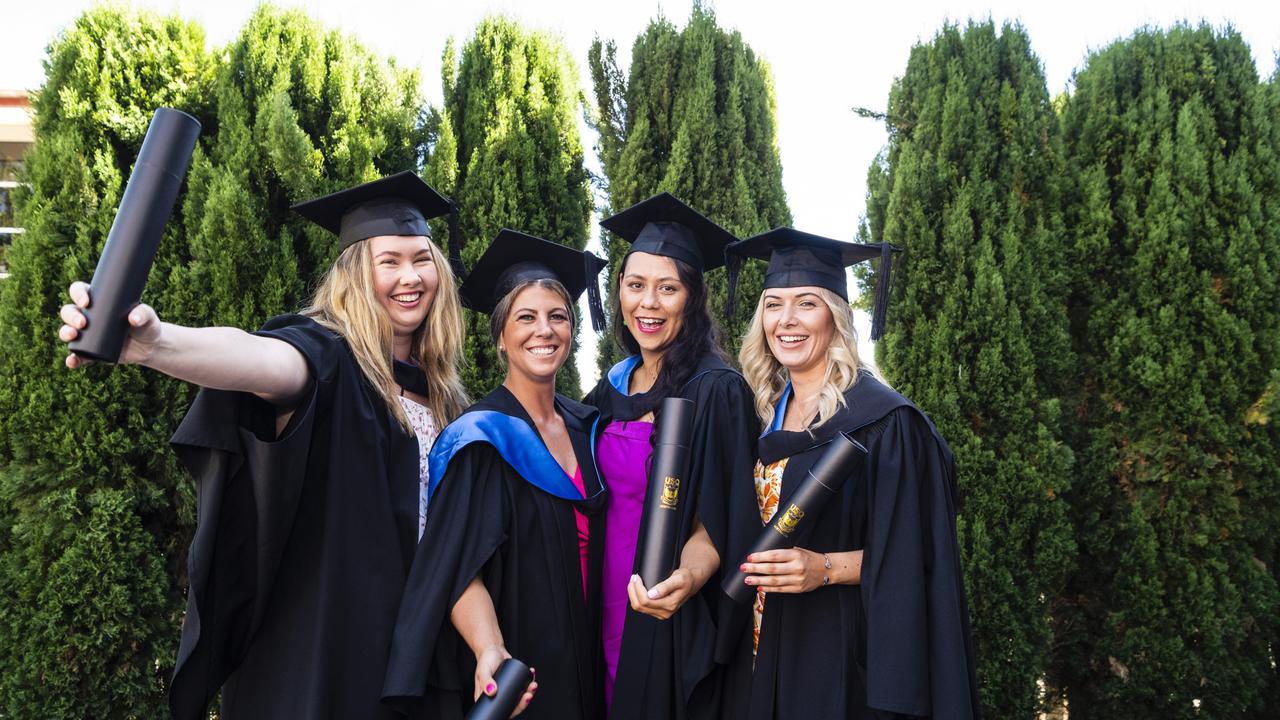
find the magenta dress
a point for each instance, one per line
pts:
(583, 524)
(623, 455)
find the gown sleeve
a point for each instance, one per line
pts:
(919, 651)
(466, 524)
(248, 482)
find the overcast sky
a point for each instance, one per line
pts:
(826, 57)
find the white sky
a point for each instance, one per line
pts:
(827, 56)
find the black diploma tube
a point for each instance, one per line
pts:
(824, 480)
(512, 678)
(668, 469)
(135, 234)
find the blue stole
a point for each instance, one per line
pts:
(620, 374)
(517, 443)
(779, 411)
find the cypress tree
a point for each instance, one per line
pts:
(1170, 143)
(301, 111)
(506, 146)
(90, 512)
(694, 117)
(976, 334)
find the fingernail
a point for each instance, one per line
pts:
(751, 558)
(743, 567)
(652, 594)
(749, 581)
(489, 689)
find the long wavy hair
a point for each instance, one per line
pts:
(345, 302)
(768, 378)
(698, 335)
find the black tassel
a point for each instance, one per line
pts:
(733, 266)
(455, 243)
(592, 266)
(883, 285)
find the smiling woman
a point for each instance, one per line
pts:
(309, 443)
(515, 526)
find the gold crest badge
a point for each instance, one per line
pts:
(787, 524)
(670, 492)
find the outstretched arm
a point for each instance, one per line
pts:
(221, 358)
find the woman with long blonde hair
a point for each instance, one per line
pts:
(309, 443)
(865, 617)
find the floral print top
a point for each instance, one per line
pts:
(768, 488)
(424, 426)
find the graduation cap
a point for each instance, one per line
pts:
(801, 259)
(662, 225)
(398, 204)
(515, 257)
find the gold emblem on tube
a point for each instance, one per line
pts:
(670, 493)
(789, 520)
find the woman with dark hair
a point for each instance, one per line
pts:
(511, 551)
(659, 642)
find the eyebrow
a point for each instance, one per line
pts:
(397, 253)
(797, 297)
(666, 278)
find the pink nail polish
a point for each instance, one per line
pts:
(489, 689)
(743, 567)
(749, 581)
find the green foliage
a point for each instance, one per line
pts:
(976, 333)
(694, 117)
(507, 149)
(94, 516)
(1174, 207)
(301, 111)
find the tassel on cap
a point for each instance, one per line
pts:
(733, 266)
(455, 243)
(591, 266)
(883, 286)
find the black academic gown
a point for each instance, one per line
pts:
(668, 669)
(485, 519)
(898, 644)
(302, 544)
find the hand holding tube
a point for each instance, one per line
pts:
(841, 458)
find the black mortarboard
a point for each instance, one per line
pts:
(514, 257)
(662, 225)
(800, 259)
(398, 204)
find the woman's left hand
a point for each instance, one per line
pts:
(664, 599)
(791, 570)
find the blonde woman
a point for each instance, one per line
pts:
(866, 616)
(515, 529)
(309, 443)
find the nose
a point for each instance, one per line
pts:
(788, 315)
(650, 298)
(409, 275)
(543, 327)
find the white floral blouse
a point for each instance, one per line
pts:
(424, 426)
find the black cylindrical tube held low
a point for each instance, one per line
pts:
(824, 480)
(667, 475)
(135, 234)
(513, 678)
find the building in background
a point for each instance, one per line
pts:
(16, 136)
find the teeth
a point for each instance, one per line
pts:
(411, 297)
(792, 338)
(542, 350)
(649, 323)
